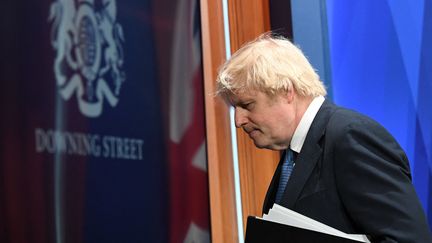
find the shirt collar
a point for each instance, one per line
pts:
(302, 129)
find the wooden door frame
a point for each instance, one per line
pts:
(248, 19)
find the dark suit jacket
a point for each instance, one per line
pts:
(352, 175)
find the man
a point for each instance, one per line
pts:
(338, 167)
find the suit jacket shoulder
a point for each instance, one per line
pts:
(373, 179)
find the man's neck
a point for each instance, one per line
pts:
(302, 103)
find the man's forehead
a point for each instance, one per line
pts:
(238, 97)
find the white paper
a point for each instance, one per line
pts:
(279, 214)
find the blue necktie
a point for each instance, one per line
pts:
(287, 167)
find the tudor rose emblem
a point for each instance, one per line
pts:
(88, 41)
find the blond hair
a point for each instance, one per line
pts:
(269, 64)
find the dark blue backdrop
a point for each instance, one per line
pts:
(71, 197)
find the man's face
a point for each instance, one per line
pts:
(269, 121)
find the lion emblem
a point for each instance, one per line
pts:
(89, 59)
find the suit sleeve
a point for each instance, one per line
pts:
(374, 182)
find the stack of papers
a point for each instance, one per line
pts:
(281, 215)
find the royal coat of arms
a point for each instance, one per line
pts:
(88, 41)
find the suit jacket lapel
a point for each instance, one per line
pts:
(309, 155)
(305, 162)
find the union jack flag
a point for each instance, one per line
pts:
(189, 204)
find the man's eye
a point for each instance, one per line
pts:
(248, 106)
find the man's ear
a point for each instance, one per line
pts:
(289, 95)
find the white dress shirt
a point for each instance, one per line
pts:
(302, 129)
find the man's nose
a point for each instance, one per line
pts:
(239, 117)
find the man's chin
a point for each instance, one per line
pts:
(261, 145)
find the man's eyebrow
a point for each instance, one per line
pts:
(243, 102)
